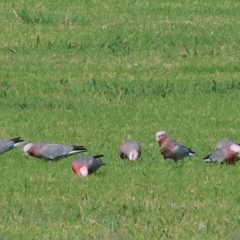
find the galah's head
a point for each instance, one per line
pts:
(236, 149)
(160, 135)
(133, 155)
(27, 149)
(80, 170)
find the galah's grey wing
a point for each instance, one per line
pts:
(190, 151)
(82, 160)
(181, 151)
(88, 159)
(54, 151)
(56, 144)
(217, 156)
(95, 163)
(5, 145)
(132, 144)
(135, 145)
(8, 144)
(85, 160)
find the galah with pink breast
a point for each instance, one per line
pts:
(228, 154)
(51, 151)
(8, 144)
(171, 149)
(87, 165)
(130, 150)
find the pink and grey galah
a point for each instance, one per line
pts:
(51, 151)
(8, 144)
(228, 154)
(225, 143)
(87, 165)
(171, 149)
(130, 150)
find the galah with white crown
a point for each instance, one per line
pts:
(51, 151)
(171, 149)
(130, 150)
(87, 165)
(225, 143)
(229, 154)
(8, 144)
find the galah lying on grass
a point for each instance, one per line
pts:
(51, 151)
(225, 143)
(8, 144)
(229, 154)
(87, 165)
(172, 149)
(130, 150)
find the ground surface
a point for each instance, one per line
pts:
(97, 73)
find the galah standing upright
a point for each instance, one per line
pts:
(225, 143)
(229, 154)
(130, 149)
(51, 151)
(172, 149)
(87, 165)
(8, 144)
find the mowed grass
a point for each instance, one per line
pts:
(97, 73)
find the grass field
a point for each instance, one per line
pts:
(97, 73)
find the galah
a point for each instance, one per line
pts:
(229, 154)
(87, 165)
(51, 151)
(225, 143)
(130, 150)
(8, 144)
(172, 149)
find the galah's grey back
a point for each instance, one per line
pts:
(8, 144)
(181, 151)
(217, 156)
(56, 151)
(93, 163)
(225, 143)
(130, 149)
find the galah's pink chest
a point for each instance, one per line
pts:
(166, 143)
(35, 150)
(230, 157)
(166, 147)
(76, 168)
(162, 142)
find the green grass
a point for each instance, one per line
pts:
(97, 73)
